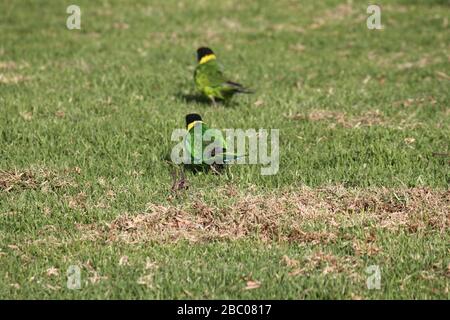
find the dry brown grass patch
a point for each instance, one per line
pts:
(308, 216)
(366, 119)
(16, 180)
(325, 263)
(12, 78)
(336, 14)
(7, 65)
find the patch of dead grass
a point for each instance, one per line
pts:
(12, 65)
(403, 61)
(7, 65)
(12, 78)
(285, 217)
(366, 119)
(341, 12)
(323, 262)
(10, 180)
(16, 180)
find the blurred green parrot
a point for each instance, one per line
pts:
(205, 151)
(210, 79)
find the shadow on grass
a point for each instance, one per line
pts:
(195, 169)
(206, 169)
(194, 98)
(201, 99)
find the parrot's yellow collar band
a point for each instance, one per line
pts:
(192, 124)
(207, 58)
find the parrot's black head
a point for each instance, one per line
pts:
(203, 52)
(192, 117)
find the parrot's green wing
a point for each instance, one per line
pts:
(196, 151)
(209, 75)
(218, 152)
(211, 81)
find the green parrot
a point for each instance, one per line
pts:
(202, 153)
(210, 79)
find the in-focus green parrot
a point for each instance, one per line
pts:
(210, 79)
(211, 152)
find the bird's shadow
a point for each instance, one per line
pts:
(193, 98)
(194, 169)
(202, 169)
(201, 99)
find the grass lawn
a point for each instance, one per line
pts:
(86, 118)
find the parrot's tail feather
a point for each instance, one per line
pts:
(237, 87)
(246, 91)
(232, 157)
(235, 84)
